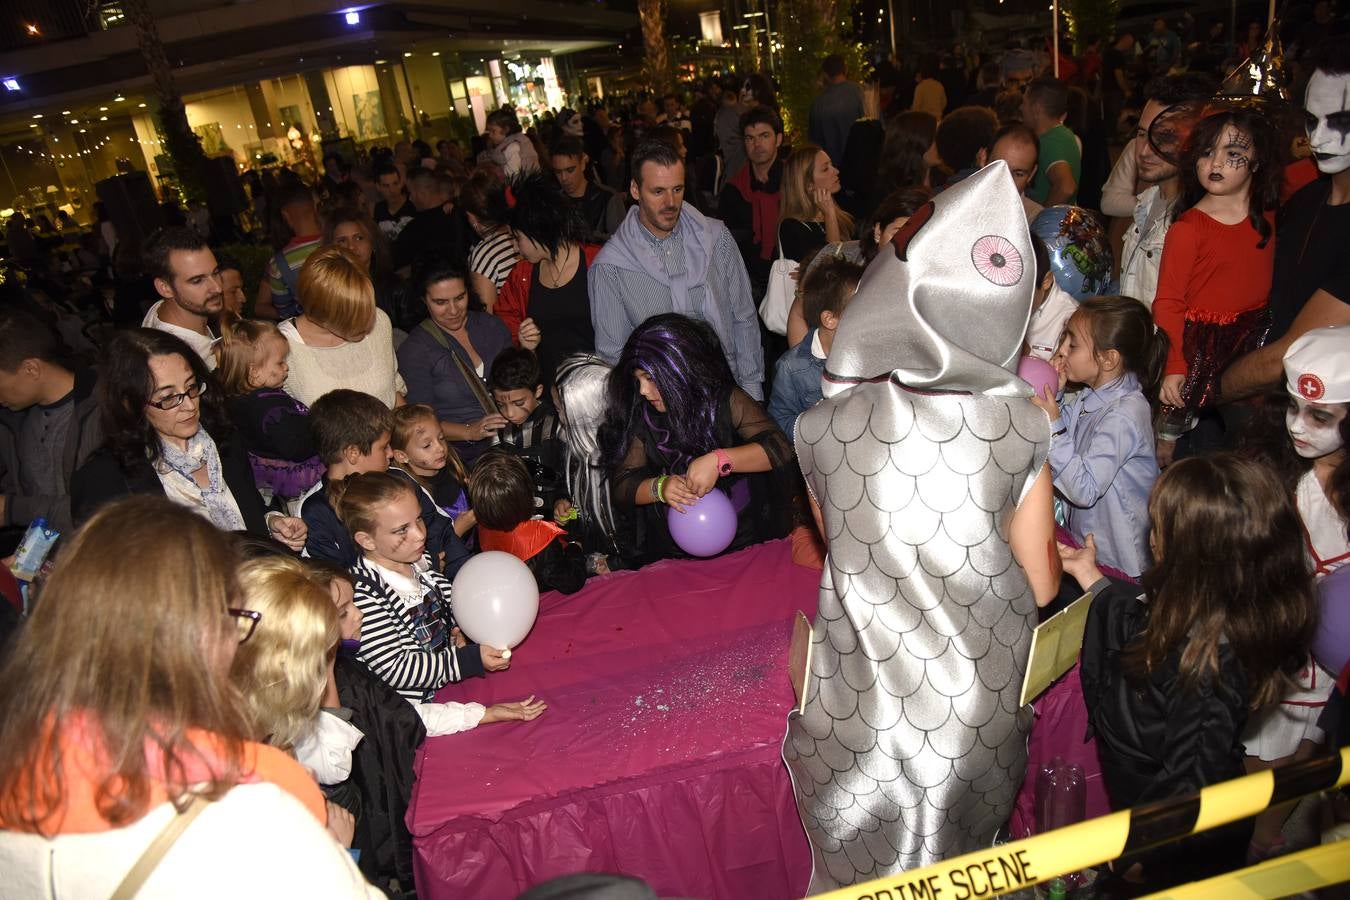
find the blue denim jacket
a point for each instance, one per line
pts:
(796, 384)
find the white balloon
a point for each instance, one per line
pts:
(495, 599)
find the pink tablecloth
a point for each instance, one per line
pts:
(658, 756)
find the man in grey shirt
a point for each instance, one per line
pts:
(835, 109)
(665, 257)
(727, 128)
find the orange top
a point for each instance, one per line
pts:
(526, 541)
(84, 770)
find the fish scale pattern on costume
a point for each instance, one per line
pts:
(912, 745)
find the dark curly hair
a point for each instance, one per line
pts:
(544, 214)
(684, 358)
(125, 386)
(1263, 163)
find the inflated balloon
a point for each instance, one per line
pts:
(1039, 374)
(706, 527)
(1080, 253)
(495, 599)
(1331, 644)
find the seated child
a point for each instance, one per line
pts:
(353, 431)
(502, 498)
(531, 430)
(251, 366)
(1171, 671)
(422, 452)
(383, 763)
(409, 637)
(826, 289)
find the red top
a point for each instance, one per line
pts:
(513, 298)
(1210, 272)
(526, 541)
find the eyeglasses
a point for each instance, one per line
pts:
(173, 401)
(247, 620)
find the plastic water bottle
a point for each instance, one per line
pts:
(37, 543)
(1061, 799)
(1175, 421)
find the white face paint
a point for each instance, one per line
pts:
(1328, 121)
(1315, 428)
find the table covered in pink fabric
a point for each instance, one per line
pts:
(659, 755)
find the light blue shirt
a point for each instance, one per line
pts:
(1104, 465)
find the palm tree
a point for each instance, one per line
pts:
(184, 147)
(656, 61)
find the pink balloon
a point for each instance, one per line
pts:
(706, 527)
(1039, 374)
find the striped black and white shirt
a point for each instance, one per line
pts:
(494, 257)
(397, 640)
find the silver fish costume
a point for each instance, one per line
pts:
(911, 746)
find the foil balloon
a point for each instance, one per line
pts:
(1080, 252)
(910, 743)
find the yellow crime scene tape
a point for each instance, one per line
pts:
(1020, 864)
(1295, 873)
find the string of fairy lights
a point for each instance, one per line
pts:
(92, 145)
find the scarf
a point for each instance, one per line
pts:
(764, 209)
(176, 468)
(632, 249)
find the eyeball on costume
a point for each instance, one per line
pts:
(1080, 253)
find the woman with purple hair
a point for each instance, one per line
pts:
(678, 427)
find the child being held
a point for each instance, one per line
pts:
(409, 636)
(531, 430)
(251, 366)
(827, 286)
(421, 450)
(1101, 445)
(503, 500)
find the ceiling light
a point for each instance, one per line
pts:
(119, 98)
(435, 53)
(353, 17)
(37, 115)
(103, 109)
(140, 106)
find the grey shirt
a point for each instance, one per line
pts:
(42, 447)
(832, 115)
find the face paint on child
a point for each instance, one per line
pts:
(1315, 428)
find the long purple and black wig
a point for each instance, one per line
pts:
(685, 360)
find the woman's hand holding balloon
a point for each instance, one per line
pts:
(702, 474)
(677, 492)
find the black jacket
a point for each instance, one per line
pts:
(102, 480)
(1158, 739)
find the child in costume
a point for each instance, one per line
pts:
(421, 451)
(1170, 672)
(1217, 262)
(926, 462)
(1102, 452)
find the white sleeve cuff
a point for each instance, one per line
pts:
(449, 718)
(325, 748)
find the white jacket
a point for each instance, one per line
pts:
(257, 841)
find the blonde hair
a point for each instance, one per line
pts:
(359, 497)
(282, 669)
(336, 293)
(240, 349)
(125, 637)
(406, 420)
(797, 202)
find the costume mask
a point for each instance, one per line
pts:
(1328, 120)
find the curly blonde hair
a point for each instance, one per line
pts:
(282, 669)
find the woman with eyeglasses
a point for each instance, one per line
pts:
(119, 726)
(166, 433)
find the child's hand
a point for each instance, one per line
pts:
(521, 711)
(560, 510)
(1170, 392)
(458, 637)
(1165, 451)
(1081, 563)
(289, 530)
(1047, 403)
(1060, 362)
(602, 564)
(493, 661)
(702, 474)
(678, 494)
(464, 521)
(529, 334)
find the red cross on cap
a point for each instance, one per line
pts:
(1310, 386)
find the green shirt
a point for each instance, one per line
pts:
(1057, 145)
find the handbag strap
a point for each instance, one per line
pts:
(469, 375)
(154, 853)
(780, 240)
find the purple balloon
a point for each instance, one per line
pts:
(1331, 644)
(707, 527)
(1039, 374)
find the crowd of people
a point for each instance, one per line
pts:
(552, 346)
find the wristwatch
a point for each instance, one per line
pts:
(724, 466)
